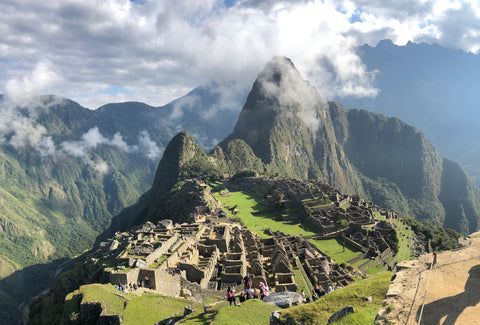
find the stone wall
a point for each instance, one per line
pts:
(167, 283)
(193, 273)
(200, 294)
(175, 257)
(123, 277)
(148, 276)
(209, 269)
(354, 244)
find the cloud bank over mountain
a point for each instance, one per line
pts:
(155, 51)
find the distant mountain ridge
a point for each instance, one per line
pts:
(431, 87)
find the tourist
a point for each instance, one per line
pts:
(263, 290)
(317, 289)
(302, 293)
(314, 295)
(249, 293)
(247, 280)
(231, 296)
(241, 298)
(329, 289)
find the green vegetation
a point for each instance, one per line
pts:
(252, 311)
(150, 308)
(143, 309)
(111, 298)
(440, 239)
(156, 264)
(400, 239)
(334, 248)
(301, 278)
(247, 203)
(318, 312)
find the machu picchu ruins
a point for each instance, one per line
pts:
(213, 251)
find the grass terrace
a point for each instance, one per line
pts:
(334, 248)
(247, 203)
(151, 308)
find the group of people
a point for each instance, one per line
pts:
(174, 270)
(318, 292)
(248, 292)
(123, 287)
(264, 290)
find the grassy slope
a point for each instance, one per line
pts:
(250, 312)
(318, 312)
(144, 309)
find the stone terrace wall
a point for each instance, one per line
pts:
(193, 272)
(209, 269)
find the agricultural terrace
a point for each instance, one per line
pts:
(405, 236)
(334, 248)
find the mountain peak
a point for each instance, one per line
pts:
(280, 89)
(278, 68)
(280, 105)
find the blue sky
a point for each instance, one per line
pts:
(98, 52)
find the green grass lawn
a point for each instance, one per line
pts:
(252, 311)
(151, 308)
(334, 249)
(111, 298)
(318, 312)
(246, 203)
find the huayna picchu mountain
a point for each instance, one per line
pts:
(287, 129)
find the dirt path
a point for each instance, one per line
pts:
(449, 291)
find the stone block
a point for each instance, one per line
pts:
(340, 314)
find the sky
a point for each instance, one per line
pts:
(101, 51)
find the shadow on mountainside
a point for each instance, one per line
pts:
(17, 290)
(451, 307)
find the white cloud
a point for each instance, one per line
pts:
(91, 139)
(36, 82)
(157, 50)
